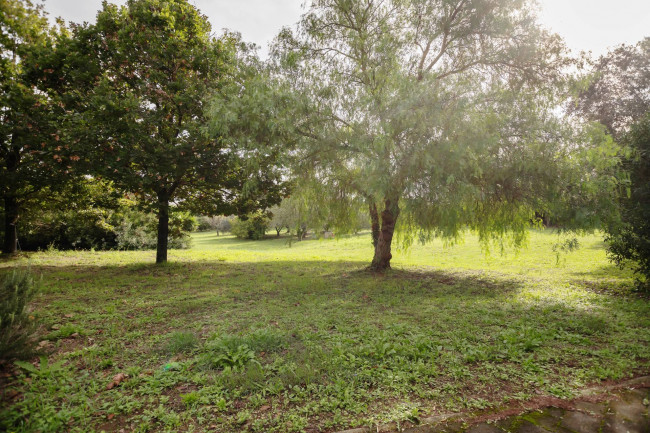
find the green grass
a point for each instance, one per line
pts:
(258, 336)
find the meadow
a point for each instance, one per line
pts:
(267, 336)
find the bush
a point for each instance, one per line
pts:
(94, 214)
(82, 215)
(251, 226)
(65, 230)
(16, 328)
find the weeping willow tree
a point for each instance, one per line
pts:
(439, 115)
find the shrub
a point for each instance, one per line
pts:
(68, 229)
(16, 328)
(95, 215)
(205, 224)
(251, 226)
(81, 216)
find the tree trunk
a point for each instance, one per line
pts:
(11, 218)
(278, 230)
(389, 215)
(374, 221)
(163, 227)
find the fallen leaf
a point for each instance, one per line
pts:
(111, 416)
(117, 379)
(265, 408)
(68, 316)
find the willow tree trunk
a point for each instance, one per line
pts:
(389, 215)
(163, 228)
(11, 218)
(374, 223)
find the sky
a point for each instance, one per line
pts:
(585, 25)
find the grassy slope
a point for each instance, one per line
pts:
(314, 340)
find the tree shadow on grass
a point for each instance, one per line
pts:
(466, 283)
(346, 286)
(606, 279)
(333, 287)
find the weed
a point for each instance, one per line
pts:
(190, 399)
(66, 331)
(180, 342)
(44, 369)
(227, 353)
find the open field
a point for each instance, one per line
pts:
(259, 336)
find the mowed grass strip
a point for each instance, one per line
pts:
(259, 336)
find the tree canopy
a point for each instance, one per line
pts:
(30, 145)
(442, 113)
(617, 90)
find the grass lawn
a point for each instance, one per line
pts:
(257, 336)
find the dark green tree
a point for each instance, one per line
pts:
(616, 95)
(30, 146)
(138, 85)
(629, 240)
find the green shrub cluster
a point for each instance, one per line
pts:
(16, 328)
(251, 226)
(98, 217)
